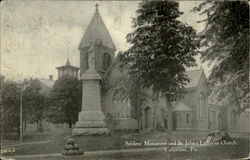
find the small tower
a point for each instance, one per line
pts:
(67, 70)
(97, 34)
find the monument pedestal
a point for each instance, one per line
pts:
(91, 118)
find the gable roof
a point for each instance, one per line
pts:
(46, 86)
(96, 33)
(48, 83)
(194, 76)
(180, 106)
(116, 60)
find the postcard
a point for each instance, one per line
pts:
(124, 80)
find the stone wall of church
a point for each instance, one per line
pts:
(237, 123)
(189, 100)
(197, 99)
(214, 114)
(119, 109)
(115, 101)
(156, 113)
(184, 120)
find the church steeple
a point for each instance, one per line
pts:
(97, 34)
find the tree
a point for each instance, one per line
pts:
(226, 38)
(34, 103)
(136, 96)
(162, 47)
(66, 100)
(10, 106)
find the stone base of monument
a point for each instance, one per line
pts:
(91, 123)
(90, 131)
(91, 120)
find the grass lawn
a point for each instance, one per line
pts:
(55, 143)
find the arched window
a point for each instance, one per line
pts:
(119, 95)
(106, 61)
(187, 118)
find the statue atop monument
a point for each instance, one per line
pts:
(91, 58)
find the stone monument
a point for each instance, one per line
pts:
(91, 118)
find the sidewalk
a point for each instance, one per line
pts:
(27, 143)
(92, 153)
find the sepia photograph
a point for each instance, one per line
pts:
(125, 79)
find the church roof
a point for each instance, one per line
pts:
(97, 33)
(180, 106)
(194, 77)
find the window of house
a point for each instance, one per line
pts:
(187, 118)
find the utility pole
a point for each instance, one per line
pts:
(21, 116)
(22, 88)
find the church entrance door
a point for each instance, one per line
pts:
(148, 118)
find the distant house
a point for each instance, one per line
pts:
(46, 88)
(64, 70)
(46, 85)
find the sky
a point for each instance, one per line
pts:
(36, 35)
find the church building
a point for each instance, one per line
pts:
(189, 113)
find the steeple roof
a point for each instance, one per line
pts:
(67, 65)
(97, 33)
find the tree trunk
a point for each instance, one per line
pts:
(40, 126)
(70, 125)
(138, 124)
(170, 117)
(25, 126)
(236, 99)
